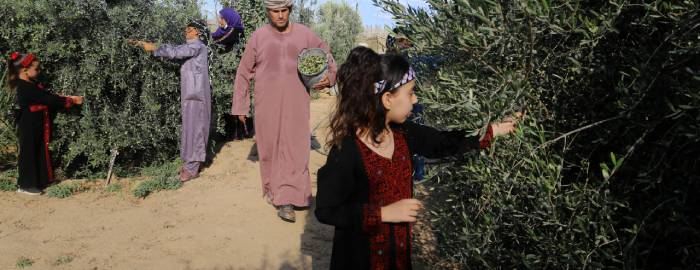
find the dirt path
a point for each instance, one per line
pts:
(219, 221)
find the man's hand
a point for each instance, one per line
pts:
(242, 118)
(323, 84)
(147, 46)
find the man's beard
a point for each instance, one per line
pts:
(280, 27)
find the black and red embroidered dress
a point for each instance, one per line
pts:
(356, 182)
(37, 108)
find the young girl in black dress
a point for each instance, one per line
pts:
(365, 188)
(34, 124)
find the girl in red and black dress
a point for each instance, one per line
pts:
(365, 188)
(34, 123)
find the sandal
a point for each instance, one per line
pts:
(286, 213)
(187, 176)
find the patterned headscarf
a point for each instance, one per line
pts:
(275, 4)
(202, 29)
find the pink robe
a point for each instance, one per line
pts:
(281, 109)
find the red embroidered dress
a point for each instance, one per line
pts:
(389, 181)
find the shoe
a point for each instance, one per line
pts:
(29, 191)
(187, 176)
(253, 154)
(315, 145)
(286, 213)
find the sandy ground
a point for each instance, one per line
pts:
(219, 221)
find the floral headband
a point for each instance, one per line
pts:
(380, 86)
(23, 60)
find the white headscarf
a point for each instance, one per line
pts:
(275, 4)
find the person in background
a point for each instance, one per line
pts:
(282, 106)
(230, 31)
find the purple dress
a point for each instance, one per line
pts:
(195, 99)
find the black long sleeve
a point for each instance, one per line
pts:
(29, 94)
(337, 199)
(432, 143)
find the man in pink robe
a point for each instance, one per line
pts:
(281, 103)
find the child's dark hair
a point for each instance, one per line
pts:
(358, 106)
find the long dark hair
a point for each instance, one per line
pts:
(358, 107)
(11, 75)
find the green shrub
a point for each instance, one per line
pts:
(605, 171)
(8, 136)
(339, 25)
(131, 97)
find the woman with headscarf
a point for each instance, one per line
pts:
(195, 95)
(230, 29)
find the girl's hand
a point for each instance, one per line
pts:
(77, 99)
(507, 126)
(404, 210)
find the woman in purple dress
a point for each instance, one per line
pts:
(195, 95)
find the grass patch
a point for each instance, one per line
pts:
(63, 190)
(13, 173)
(161, 177)
(7, 184)
(114, 187)
(145, 188)
(63, 259)
(24, 262)
(7, 180)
